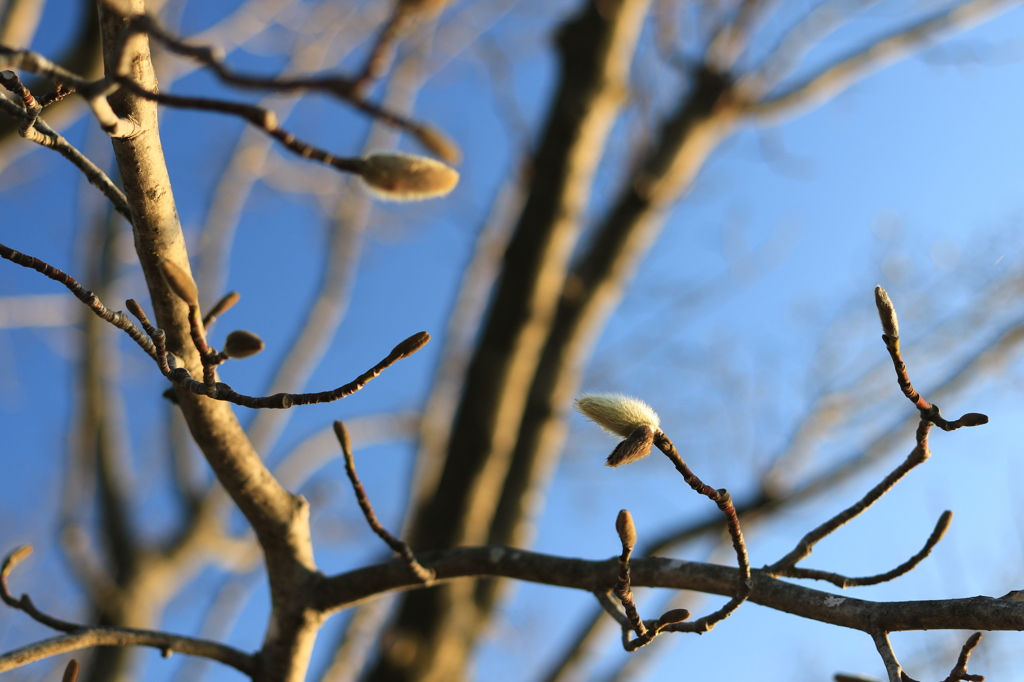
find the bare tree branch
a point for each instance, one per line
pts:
(826, 83)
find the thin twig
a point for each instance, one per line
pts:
(910, 564)
(400, 547)
(10, 80)
(45, 136)
(25, 602)
(280, 401)
(959, 671)
(803, 549)
(645, 632)
(345, 89)
(929, 416)
(116, 318)
(220, 307)
(723, 499)
(92, 637)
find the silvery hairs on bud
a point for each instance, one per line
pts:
(618, 414)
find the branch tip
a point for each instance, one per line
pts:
(887, 313)
(626, 529)
(409, 346)
(71, 672)
(343, 438)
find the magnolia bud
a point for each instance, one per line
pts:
(242, 344)
(626, 529)
(637, 446)
(439, 144)
(71, 671)
(887, 313)
(673, 616)
(409, 346)
(180, 282)
(404, 177)
(973, 419)
(343, 438)
(617, 414)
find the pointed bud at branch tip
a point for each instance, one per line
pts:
(225, 304)
(343, 438)
(134, 308)
(673, 616)
(439, 144)
(973, 419)
(626, 529)
(71, 672)
(15, 558)
(181, 283)
(242, 344)
(409, 346)
(887, 313)
(636, 447)
(617, 414)
(403, 177)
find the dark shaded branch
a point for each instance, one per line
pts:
(972, 613)
(399, 547)
(116, 318)
(841, 581)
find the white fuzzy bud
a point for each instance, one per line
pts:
(404, 177)
(617, 414)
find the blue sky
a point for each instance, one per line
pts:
(910, 179)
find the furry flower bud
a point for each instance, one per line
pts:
(404, 177)
(887, 313)
(617, 414)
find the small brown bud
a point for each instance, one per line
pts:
(180, 282)
(225, 304)
(409, 346)
(404, 177)
(626, 529)
(242, 344)
(343, 438)
(673, 616)
(134, 308)
(974, 419)
(637, 446)
(439, 144)
(71, 672)
(887, 313)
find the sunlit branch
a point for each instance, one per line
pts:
(81, 636)
(94, 637)
(340, 87)
(45, 136)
